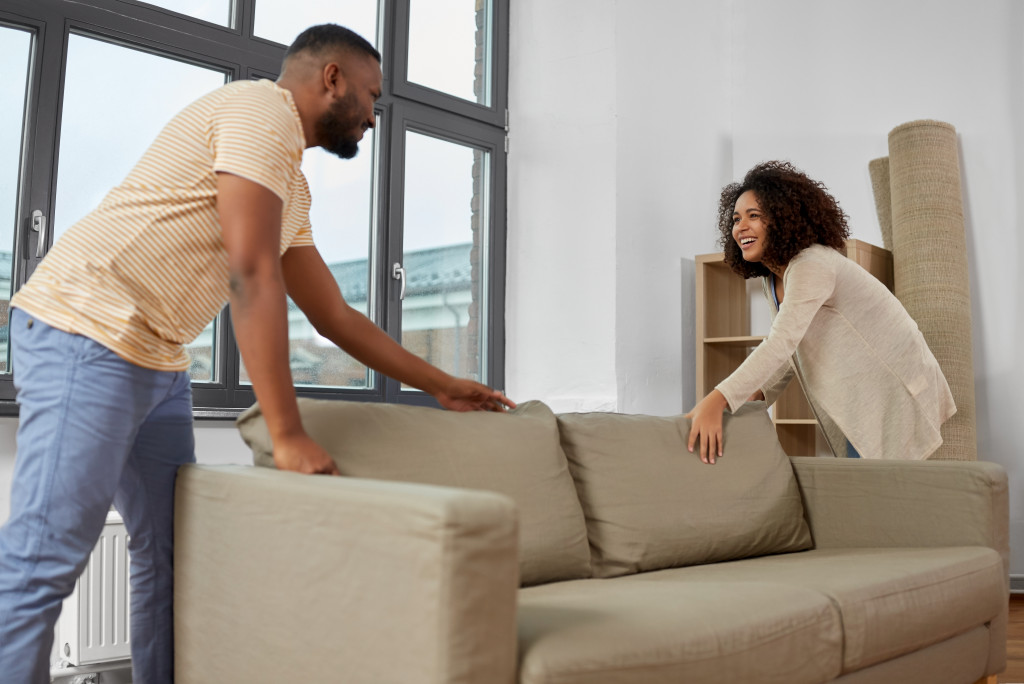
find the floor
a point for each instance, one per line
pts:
(1015, 643)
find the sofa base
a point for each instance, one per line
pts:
(957, 660)
(856, 616)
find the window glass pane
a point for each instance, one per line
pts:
(213, 11)
(282, 20)
(14, 55)
(116, 100)
(342, 217)
(449, 47)
(443, 312)
(200, 350)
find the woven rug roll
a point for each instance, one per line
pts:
(929, 252)
(879, 170)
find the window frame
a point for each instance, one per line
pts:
(233, 50)
(411, 116)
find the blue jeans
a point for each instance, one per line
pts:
(93, 430)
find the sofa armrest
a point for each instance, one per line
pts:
(281, 577)
(875, 503)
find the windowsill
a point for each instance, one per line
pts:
(216, 413)
(10, 408)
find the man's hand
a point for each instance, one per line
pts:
(302, 455)
(466, 395)
(706, 424)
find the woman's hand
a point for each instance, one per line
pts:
(706, 425)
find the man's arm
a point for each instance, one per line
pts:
(314, 290)
(250, 217)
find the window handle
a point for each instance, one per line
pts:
(398, 273)
(39, 226)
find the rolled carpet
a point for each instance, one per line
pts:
(879, 170)
(929, 251)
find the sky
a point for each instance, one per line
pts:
(99, 126)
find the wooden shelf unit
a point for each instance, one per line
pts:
(724, 339)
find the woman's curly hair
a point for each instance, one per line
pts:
(798, 212)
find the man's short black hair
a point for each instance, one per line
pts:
(322, 37)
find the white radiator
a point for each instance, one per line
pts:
(93, 626)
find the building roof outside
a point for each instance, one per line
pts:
(427, 271)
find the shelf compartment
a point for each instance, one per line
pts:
(797, 439)
(792, 404)
(743, 341)
(717, 286)
(719, 361)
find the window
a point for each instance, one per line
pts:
(448, 48)
(15, 51)
(445, 235)
(413, 228)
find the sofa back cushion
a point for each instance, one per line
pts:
(515, 453)
(651, 504)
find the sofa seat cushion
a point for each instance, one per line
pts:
(651, 504)
(610, 631)
(892, 601)
(516, 453)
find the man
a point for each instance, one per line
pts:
(215, 211)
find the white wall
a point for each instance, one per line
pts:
(700, 91)
(674, 155)
(561, 247)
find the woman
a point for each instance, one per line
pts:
(874, 385)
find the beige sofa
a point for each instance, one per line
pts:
(584, 548)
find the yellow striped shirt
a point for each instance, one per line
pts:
(146, 271)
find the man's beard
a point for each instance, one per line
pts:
(335, 128)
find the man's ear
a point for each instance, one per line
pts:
(334, 78)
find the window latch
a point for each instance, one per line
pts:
(39, 226)
(398, 273)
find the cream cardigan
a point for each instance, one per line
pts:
(860, 358)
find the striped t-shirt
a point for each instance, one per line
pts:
(146, 271)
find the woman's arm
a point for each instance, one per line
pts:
(777, 383)
(810, 282)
